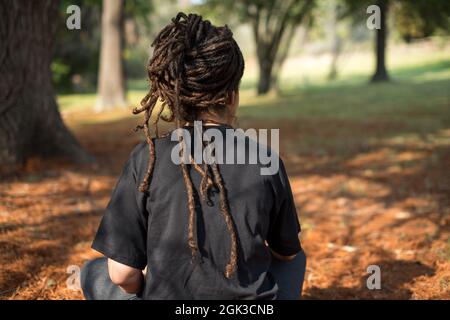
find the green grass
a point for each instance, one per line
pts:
(393, 100)
(417, 99)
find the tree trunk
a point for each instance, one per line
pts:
(30, 123)
(285, 46)
(265, 80)
(334, 39)
(335, 53)
(111, 79)
(270, 23)
(381, 73)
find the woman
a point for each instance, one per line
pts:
(195, 230)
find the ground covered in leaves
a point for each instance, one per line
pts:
(369, 191)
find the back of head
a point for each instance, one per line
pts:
(194, 68)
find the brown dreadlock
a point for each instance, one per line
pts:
(194, 68)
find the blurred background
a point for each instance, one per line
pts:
(363, 113)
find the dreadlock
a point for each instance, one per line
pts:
(194, 68)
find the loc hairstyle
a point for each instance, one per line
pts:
(194, 68)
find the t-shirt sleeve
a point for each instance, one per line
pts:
(122, 233)
(284, 225)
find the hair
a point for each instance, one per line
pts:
(194, 69)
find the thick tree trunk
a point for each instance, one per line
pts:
(381, 73)
(30, 123)
(111, 79)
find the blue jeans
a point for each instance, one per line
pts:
(97, 285)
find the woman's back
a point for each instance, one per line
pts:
(261, 207)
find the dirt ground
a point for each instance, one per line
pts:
(385, 205)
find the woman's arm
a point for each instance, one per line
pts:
(281, 257)
(127, 278)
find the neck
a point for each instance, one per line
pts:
(216, 119)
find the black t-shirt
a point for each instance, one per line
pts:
(150, 229)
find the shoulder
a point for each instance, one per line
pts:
(138, 150)
(138, 157)
(141, 149)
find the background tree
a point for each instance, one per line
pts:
(357, 9)
(381, 73)
(30, 123)
(273, 23)
(139, 24)
(332, 12)
(74, 67)
(419, 18)
(111, 77)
